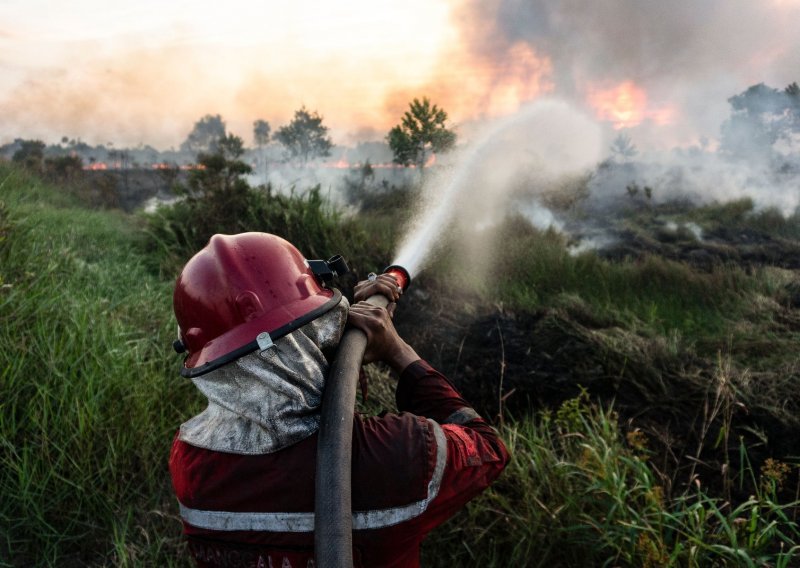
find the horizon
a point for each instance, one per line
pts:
(144, 73)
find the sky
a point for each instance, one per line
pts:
(145, 71)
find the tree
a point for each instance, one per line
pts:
(761, 116)
(63, 169)
(261, 132)
(623, 147)
(205, 135)
(219, 178)
(421, 132)
(305, 137)
(30, 154)
(218, 188)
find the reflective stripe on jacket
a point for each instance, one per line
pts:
(411, 471)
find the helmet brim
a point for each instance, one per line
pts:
(277, 323)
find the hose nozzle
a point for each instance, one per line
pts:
(400, 274)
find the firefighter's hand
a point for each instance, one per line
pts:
(383, 341)
(383, 284)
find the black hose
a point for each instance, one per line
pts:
(333, 520)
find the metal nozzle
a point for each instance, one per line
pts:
(400, 274)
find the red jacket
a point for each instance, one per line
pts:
(411, 472)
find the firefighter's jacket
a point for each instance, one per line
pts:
(411, 472)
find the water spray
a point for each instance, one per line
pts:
(550, 136)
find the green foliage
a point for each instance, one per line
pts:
(63, 169)
(532, 269)
(218, 200)
(261, 132)
(205, 135)
(623, 147)
(741, 215)
(422, 131)
(578, 493)
(87, 402)
(305, 137)
(30, 155)
(760, 117)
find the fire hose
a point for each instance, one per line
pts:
(333, 520)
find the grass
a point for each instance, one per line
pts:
(535, 269)
(90, 399)
(579, 493)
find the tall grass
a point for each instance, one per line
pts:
(578, 493)
(88, 402)
(306, 219)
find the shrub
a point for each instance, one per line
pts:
(174, 233)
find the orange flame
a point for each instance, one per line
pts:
(626, 105)
(623, 105)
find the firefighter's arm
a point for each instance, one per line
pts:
(471, 450)
(422, 390)
(468, 451)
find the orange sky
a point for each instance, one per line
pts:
(145, 71)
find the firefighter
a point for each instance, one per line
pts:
(259, 330)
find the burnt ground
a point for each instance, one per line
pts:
(746, 247)
(535, 361)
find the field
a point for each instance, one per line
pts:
(648, 392)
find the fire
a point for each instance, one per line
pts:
(623, 105)
(522, 77)
(96, 166)
(626, 105)
(471, 86)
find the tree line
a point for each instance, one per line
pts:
(422, 131)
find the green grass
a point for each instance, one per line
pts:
(578, 493)
(89, 397)
(533, 270)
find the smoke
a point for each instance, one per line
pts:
(698, 177)
(685, 55)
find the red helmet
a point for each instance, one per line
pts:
(240, 293)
